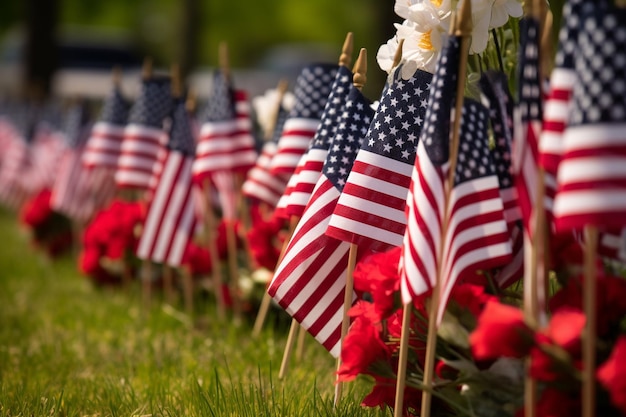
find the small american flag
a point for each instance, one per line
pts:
(144, 138)
(592, 172)
(370, 211)
(72, 192)
(309, 283)
(495, 88)
(104, 146)
(226, 141)
(309, 167)
(476, 234)
(528, 117)
(311, 93)
(171, 218)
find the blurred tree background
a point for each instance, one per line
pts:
(188, 31)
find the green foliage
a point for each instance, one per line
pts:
(70, 349)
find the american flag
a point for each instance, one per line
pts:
(260, 184)
(528, 115)
(309, 283)
(104, 146)
(558, 102)
(15, 158)
(311, 92)
(476, 234)
(592, 172)
(170, 218)
(144, 138)
(495, 88)
(309, 167)
(226, 142)
(370, 211)
(72, 192)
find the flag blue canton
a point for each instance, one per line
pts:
(495, 88)
(474, 158)
(352, 128)
(181, 137)
(529, 83)
(221, 104)
(600, 97)
(395, 130)
(153, 104)
(115, 108)
(312, 90)
(436, 132)
(332, 111)
(568, 35)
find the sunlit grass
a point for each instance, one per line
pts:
(68, 348)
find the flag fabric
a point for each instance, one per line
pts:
(15, 159)
(591, 179)
(309, 283)
(528, 120)
(309, 167)
(500, 105)
(311, 93)
(144, 139)
(226, 141)
(260, 184)
(370, 210)
(170, 217)
(558, 103)
(104, 146)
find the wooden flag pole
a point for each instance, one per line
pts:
(288, 348)
(216, 270)
(536, 277)
(358, 80)
(267, 299)
(233, 268)
(590, 308)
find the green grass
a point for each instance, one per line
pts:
(68, 348)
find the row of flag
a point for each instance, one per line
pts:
(352, 173)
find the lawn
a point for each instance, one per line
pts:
(68, 348)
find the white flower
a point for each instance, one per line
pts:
(386, 54)
(481, 17)
(265, 107)
(502, 9)
(402, 7)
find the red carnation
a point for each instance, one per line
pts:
(377, 274)
(611, 374)
(500, 331)
(361, 347)
(471, 297)
(36, 210)
(384, 394)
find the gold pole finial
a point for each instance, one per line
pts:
(345, 59)
(397, 58)
(360, 70)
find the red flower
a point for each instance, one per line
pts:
(558, 347)
(377, 274)
(361, 346)
(556, 403)
(471, 297)
(264, 240)
(197, 259)
(611, 293)
(611, 374)
(384, 394)
(501, 331)
(36, 210)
